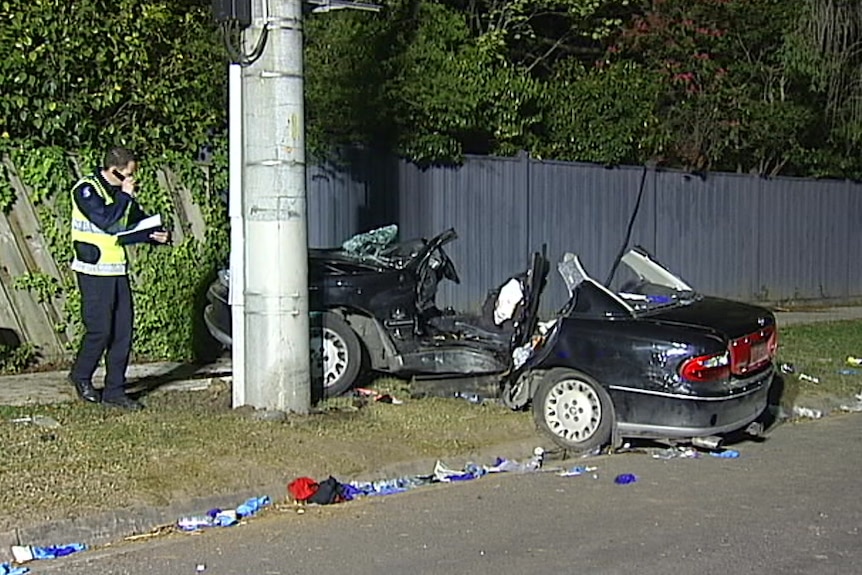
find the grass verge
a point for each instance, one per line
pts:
(820, 351)
(192, 444)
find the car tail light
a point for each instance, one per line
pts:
(753, 351)
(705, 368)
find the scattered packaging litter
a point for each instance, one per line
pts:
(470, 397)
(377, 396)
(808, 378)
(195, 522)
(8, 569)
(533, 464)
(223, 518)
(855, 407)
(677, 453)
(37, 420)
(444, 474)
(25, 553)
(787, 368)
(306, 489)
(577, 470)
(854, 361)
(625, 478)
(807, 412)
(726, 454)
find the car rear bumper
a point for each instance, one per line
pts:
(643, 414)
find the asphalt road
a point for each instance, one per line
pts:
(791, 504)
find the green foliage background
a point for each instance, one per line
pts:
(80, 77)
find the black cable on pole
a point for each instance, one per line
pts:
(629, 230)
(229, 31)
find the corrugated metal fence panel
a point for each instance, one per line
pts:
(804, 254)
(707, 231)
(485, 201)
(852, 249)
(585, 209)
(357, 194)
(332, 199)
(729, 235)
(415, 200)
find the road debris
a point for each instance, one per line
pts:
(9, 569)
(27, 553)
(223, 518)
(578, 470)
(855, 407)
(787, 368)
(37, 420)
(377, 396)
(677, 453)
(726, 454)
(807, 412)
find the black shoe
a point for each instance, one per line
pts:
(124, 402)
(86, 391)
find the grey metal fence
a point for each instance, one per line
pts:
(731, 235)
(737, 236)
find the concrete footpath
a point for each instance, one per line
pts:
(52, 387)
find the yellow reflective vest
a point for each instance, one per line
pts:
(108, 257)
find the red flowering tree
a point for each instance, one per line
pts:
(726, 101)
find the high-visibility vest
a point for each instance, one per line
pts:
(112, 255)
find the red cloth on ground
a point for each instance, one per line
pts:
(302, 488)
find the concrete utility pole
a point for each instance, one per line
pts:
(276, 371)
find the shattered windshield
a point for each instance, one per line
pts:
(371, 243)
(639, 285)
(645, 285)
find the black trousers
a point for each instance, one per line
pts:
(106, 307)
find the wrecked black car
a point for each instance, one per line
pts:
(643, 356)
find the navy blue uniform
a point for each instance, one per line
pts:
(106, 301)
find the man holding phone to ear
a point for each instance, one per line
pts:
(104, 204)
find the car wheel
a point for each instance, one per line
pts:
(336, 355)
(574, 409)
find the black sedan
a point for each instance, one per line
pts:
(644, 356)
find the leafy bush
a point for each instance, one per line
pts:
(80, 77)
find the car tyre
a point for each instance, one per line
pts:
(574, 410)
(336, 355)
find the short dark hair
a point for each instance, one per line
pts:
(119, 157)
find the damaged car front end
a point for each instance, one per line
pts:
(373, 308)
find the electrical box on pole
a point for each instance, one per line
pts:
(233, 11)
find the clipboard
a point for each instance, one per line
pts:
(140, 232)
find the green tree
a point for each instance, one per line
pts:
(604, 114)
(90, 72)
(727, 102)
(81, 76)
(824, 52)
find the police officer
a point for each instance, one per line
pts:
(104, 204)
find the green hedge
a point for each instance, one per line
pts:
(79, 77)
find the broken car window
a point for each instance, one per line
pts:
(371, 243)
